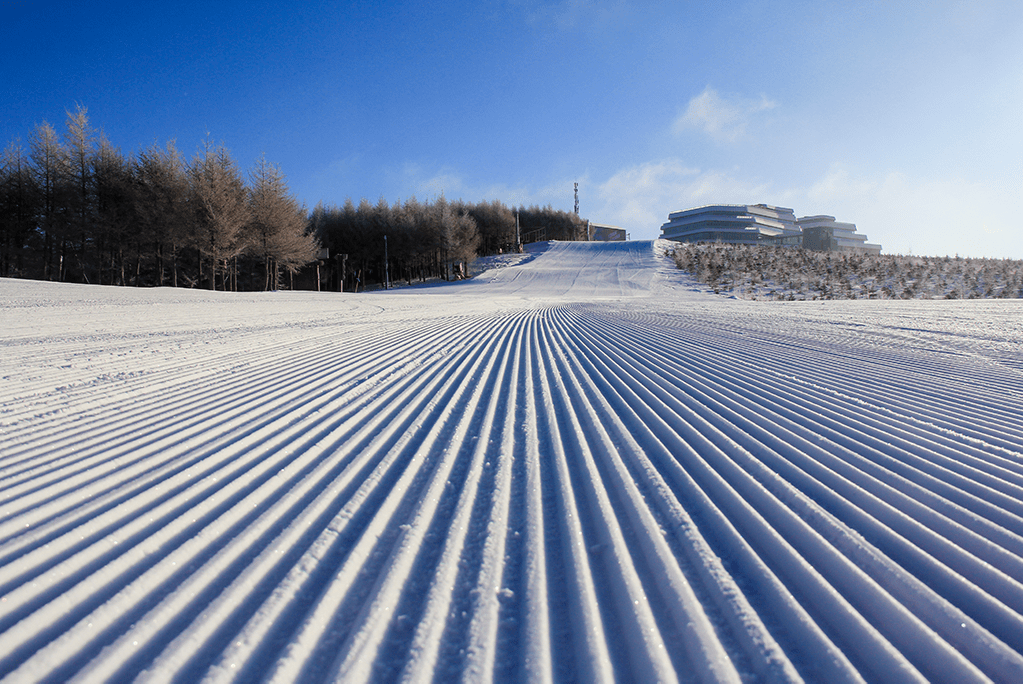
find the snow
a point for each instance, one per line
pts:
(578, 465)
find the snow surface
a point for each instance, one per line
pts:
(580, 467)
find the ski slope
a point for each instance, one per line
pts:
(578, 468)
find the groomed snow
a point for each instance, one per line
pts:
(580, 467)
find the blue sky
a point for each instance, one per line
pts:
(904, 117)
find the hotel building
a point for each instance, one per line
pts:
(752, 224)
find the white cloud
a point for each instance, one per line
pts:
(639, 198)
(428, 184)
(724, 119)
(636, 196)
(928, 216)
(904, 213)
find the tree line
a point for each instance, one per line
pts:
(414, 241)
(73, 207)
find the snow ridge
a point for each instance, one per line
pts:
(574, 468)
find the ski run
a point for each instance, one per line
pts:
(577, 467)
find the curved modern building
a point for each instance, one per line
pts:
(825, 234)
(735, 223)
(762, 224)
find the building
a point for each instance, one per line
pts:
(825, 234)
(735, 223)
(751, 224)
(598, 232)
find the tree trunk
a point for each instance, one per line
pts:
(159, 264)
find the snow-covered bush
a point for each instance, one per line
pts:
(787, 273)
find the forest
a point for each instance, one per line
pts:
(75, 208)
(437, 239)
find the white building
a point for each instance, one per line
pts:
(763, 224)
(824, 233)
(735, 223)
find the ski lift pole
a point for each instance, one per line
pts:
(387, 267)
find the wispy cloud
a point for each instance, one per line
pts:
(932, 216)
(904, 213)
(723, 118)
(640, 197)
(637, 195)
(429, 183)
(574, 15)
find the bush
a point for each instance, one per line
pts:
(787, 273)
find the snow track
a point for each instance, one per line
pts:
(577, 468)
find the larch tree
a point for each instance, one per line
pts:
(49, 161)
(458, 236)
(162, 201)
(80, 149)
(496, 224)
(277, 228)
(219, 200)
(115, 193)
(17, 209)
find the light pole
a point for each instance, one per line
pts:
(387, 268)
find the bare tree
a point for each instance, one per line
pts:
(220, 202)
(277, 229)
(80, 138)
(50, 171)
(114, 188)
(18, 199)
(496, 224)
(457, 235)
(161, 203)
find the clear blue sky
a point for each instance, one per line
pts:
(904, 117)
